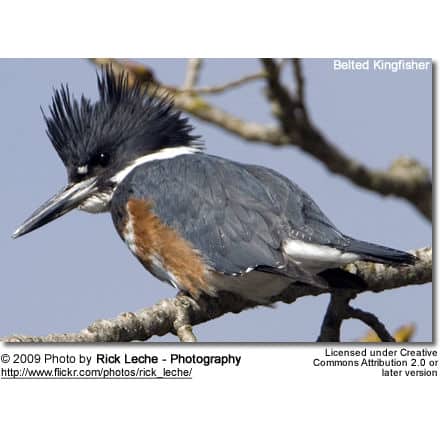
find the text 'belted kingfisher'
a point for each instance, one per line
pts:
(201, 223)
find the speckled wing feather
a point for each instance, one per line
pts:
(237, 216)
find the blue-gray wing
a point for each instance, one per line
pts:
(237, 216)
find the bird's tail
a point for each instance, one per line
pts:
(340, 278)
(380, 254)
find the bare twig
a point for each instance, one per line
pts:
(192, 73)
(300, 87)
(402, 334)
(372, 321)
(299, 79)
(406, 178)
(229, 85)
(166, 316)
(338, 310)
(284, 106)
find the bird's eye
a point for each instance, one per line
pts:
(101, 159)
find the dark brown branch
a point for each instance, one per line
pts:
(403, 334)
(339, 310)
(372, 321)
(284, 106)
(170, 315)
(299, 80)
(333, 318)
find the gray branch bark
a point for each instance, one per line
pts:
(177, 315)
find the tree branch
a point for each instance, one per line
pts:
(333, 318)
(299, 80)
(200, 108)
(182, 323)
(405, 178)
(192, 73)
(339, 310)
(372, 321)
(403, 334)
(176, 315)
(229, 85)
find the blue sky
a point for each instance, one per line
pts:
(76, 270)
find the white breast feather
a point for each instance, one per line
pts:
(129, 237)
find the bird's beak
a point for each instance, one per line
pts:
(67, 199)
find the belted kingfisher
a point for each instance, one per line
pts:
(202, 223)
